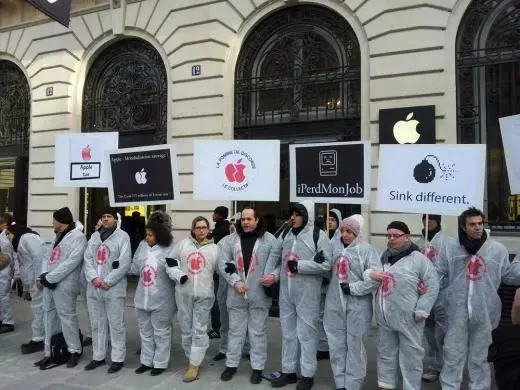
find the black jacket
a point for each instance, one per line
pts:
(221, 230)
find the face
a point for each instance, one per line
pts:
(332, 223)
(3, 225)
(58, 226)
(474, 227)
(216, 217)
(108, 221)
(248, 220)
(201, 230)
(150, 238)
(347, 235)
(432, 224)
(396, 238)
(10, 236)
(296, 219)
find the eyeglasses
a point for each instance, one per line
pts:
(392, 236)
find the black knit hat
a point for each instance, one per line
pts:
(223, 211)
(63, 216)
(398, 225)
(109, 211)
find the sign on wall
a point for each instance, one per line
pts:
(407, 125)
(146, 175)
(59, 10)
(236, 170)
(432, 179)
(510, 129)
(336, 172)
(79, 159)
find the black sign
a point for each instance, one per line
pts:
(407, 125)
(142, 177)
(59, 10)
(330, 171)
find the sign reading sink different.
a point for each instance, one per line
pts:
(236, 170)
(146, 175)
(330, 172)
(431, 179)
(79, 159)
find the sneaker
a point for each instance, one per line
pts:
(43, 362)
(430, 376)
(192, 373)
(73, 360)
(87, 342)
(156, 371)
(323, 355)
(142, 368)
(305, 383)
(284, 380)
(32, 347)
(228, 373)
(115, 367)
(6, 328)
(94, 364)
(219, 356)
(256, 377)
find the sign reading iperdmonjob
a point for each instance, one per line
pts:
(331, 172)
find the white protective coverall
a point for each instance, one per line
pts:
(83, 292)
(397, 301)
(473, 308)
(300, 294)
(196, 296)
(248, 312)
(31, 254)
(154, 303)
(64, 268)
(348, 318)
(6, 276)
(109, 260)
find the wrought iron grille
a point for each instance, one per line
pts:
(301, 64)
(126, 91)
(488, 87)
(15, 103)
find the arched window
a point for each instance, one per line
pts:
(488, 88)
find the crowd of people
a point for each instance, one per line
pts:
(435, 299)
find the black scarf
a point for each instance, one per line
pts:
(344, 243)
(105, 233)
(432, 233)
(20, 231)
(392, 256)
(331, 233)
(297, 230)
(472, 246)
(247, 243)
(61, 236)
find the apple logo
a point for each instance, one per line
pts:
(235, 172)
(140, 177)
(85, 153)
(51, 1)
(405, 132)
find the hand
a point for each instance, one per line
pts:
(230, 268)
(240, 287)
(39, 285)
(115, 264)
(293, 266)
(172, 262)
(97, 282)
(25, 295)
(319, 258)
(345, 287)
(378, 276)
(421, 288)
(419, 318)
(105, 286)
(268, 280)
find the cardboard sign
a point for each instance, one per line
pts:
(431, 179)
(79, 159)
(330, 172)
(236, 170)
(510, 129)
(146, 175)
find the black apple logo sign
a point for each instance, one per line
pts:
(424, 172)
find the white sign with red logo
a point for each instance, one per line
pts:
(236, 170)
(80, 159)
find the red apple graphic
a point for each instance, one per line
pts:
(85, 153)
(235, 172)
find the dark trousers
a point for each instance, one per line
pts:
(215, 311)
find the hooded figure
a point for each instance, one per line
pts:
(244, 257)
(301, 277)
(30, 253)
(61, 279)
(348, 308)
(107, 261)
(334, 222)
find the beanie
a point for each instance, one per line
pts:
(63, 216)
(110, 211)
(352, 224)
(222, 211)
(398, 225)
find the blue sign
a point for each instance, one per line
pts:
(196, 70)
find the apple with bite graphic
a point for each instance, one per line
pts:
(405, 132)
(140, 177)
(235, 172)
(85, 153)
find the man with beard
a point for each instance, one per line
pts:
(107, 261)
(471, 270)
(60, 278)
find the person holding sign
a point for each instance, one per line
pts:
(306, 258)
(348, 307)
(400, 309)
(471, 271)
(245, 257)
(107, 261)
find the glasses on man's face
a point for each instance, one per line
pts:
(394, 236)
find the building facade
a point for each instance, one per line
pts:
(161, 71)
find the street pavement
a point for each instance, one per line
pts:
(17, 370)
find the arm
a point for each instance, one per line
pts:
(125, 254)
(90, 271)
(510, 271)
(310, 267)
(226, 256)
(174, 271)
(430, 279)
(274, 261)
(37, 253)
(139, 258)
(442, 267)
(72, 261)
(371, 261)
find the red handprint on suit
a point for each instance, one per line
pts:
(343, 268)
(421, 288)
(475, 267)
(290, 257)
(387, 285)
(241, 266)
(196, 262)
(430, 252)
(55, 255)
(102, 255)
(148, 276)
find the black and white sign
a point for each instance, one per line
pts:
(59, 10)
(144, 175)
(407, 125)
(331, 172)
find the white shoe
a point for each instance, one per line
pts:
(430, 377)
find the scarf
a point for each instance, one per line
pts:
(432, 233)
(393, 255)
(104, 233)
(61, 236)
(472, 246)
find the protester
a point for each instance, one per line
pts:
(107, 261)
(60, 277)
(334, 222)
(192, 265)
(243, 260)
(471, 270)
(348, 308)
(400, 310)
(7, 269)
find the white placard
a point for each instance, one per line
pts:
(236, 170)
(431, 179)
(80, 159)
(510, 129)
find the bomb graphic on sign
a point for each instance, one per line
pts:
(425, 171)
